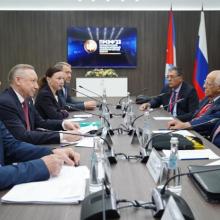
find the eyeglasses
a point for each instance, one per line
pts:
(208, 83)
(171, 77)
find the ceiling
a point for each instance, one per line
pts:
(106, 5)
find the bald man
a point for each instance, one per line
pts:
(21, 117)
(209, 107)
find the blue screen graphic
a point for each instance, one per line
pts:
(102, 47)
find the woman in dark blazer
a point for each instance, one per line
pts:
(47, 101)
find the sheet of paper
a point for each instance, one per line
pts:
(163, 118)
(67, 188)
(75, 119)
(194, 154)
(86, 129)
(85, 142)
(83, 116)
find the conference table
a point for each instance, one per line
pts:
(130, 180)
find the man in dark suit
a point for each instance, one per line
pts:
(209, 107)
(31, 163)
(175, 90)
(20, 116)
(215, 136)
(65, 95)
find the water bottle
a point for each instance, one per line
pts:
(129, 116)
(146, 134)
(97, 167)
(172, 164)
(105, 115)
(104, 96)
(173, 169)
(100, 167)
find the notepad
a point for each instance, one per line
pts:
(83, 116)
(67, 188)
(194, 154)
(163, 118)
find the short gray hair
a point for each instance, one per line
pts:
(60, 65)
(178, 70)
(17, 70)
(216, 74)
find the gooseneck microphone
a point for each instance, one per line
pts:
(110, 153)
(173, 103)
(118, 106)
(99, 131)
(98, 95)
(75, 90)
(95, 99)
(139, 116)
(160, 197)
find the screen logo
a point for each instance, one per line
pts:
(90, 46)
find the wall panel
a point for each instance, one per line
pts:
(39, 38)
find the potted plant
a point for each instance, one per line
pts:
(101, 73)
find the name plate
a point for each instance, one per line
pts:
(172, 211)
(155, 165)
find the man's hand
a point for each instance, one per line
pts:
(53, 163)
(68, 155)
(144, 106)
(71, 136)
(68, 125)
(90, 105)
(175, 125)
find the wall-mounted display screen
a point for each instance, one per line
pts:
(102, 47)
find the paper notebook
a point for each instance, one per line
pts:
(67, 188)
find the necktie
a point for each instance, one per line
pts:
(65, 92)
(172, 101)
(204, 109)
(215, 133)
(26, 114)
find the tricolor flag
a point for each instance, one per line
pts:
(201, 61)
(171, 45)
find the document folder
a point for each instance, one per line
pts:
(207, 183)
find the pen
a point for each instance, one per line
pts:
(202, 158)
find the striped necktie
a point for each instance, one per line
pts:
(172, 101)
(204, 109)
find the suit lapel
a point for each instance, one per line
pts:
(18, 105)
(202, 104)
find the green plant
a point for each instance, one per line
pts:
(101, 73)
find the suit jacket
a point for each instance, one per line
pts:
(67, 101)
(48, 106)
(30, 168)
(213, 112)
(216, 140)
(11, 113)
(185, 108)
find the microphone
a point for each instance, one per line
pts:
(99, 131)
(90, 91)
(160, 197)
(139, 116)
(75, 90)
(143, 99)
(118, 106)
(110, 153)
(95, 99)
(173, 103)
